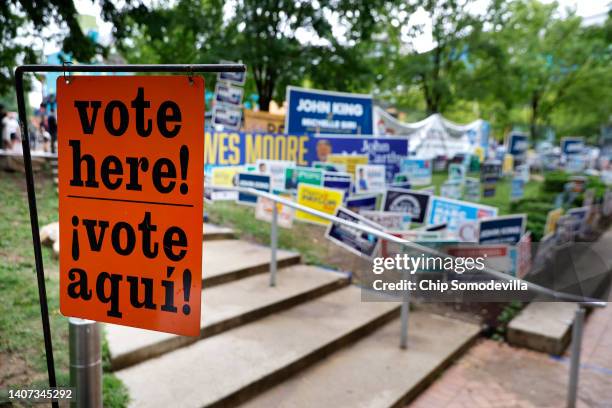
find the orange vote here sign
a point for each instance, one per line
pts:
(130, 165)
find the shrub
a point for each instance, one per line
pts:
(554, 181)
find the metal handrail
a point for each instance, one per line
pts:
(584, 301)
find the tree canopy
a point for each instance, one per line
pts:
(516, 63)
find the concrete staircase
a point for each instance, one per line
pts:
(308, 341)
(547, 326)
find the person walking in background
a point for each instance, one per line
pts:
(52, 128)
(10, 131)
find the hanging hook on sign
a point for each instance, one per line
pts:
(191, 75)
(67, 78)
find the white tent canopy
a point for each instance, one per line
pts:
(433, 136)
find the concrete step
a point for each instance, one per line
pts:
(225, 307)
(229, 368)
(375, 372)
(543, 326)
(228, 260)
(213, 232)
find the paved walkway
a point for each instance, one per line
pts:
(495, 374)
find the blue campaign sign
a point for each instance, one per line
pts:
(502, 230)
(338, 181)
(356, 241)
(313, 111)
(572, 145)
(518, 143)
(419, 170)
(386, 151)
(362, 203)
(239, 148)
(253, 180)
(518, 188)
(456, 212)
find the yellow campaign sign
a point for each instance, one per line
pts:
(551, 220)
(236, 148)
(349, 161)
(318, 198)
(224, 176)
(508, 165)
(479, 152)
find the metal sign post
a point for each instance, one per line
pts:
(27, 160)
(85, 362)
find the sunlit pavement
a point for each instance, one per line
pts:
(494, 374)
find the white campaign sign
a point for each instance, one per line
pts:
(264, 208)
(276, 170)
(390, 221)
(370, 178)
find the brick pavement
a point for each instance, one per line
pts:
(493, 374)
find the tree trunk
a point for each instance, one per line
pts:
(264, 102)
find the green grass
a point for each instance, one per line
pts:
(501, 200)
(242, 219)
(21, 337)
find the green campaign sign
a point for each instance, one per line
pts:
(297, 175)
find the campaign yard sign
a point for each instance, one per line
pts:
(352, 239)
(228, 94)
(338, 181)
(315, 111)
(489, 176)
(351, 151)
(226, 116)
(502, 230)
(318, 198)
(522, 172)
(265, 207)
(348, 161)
(277, 171)
(331, 167)
(451, 189)
(401, 184)
(456, 172)
(294, 176)
(229, 148)
(225, 176)
(390, 221)
(130, 175)
(472, 189)
(257, 181)
(518, 143)
(418, 170)
(517, 190)
(456, 212)
(361, 203)
(237, 78)
(572, 145)
(369, 178)
(414, 203)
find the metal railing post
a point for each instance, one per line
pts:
(572, 392)
(85, 362)
(405, 312)
(273, 244)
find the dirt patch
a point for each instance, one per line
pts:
(15, 371)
